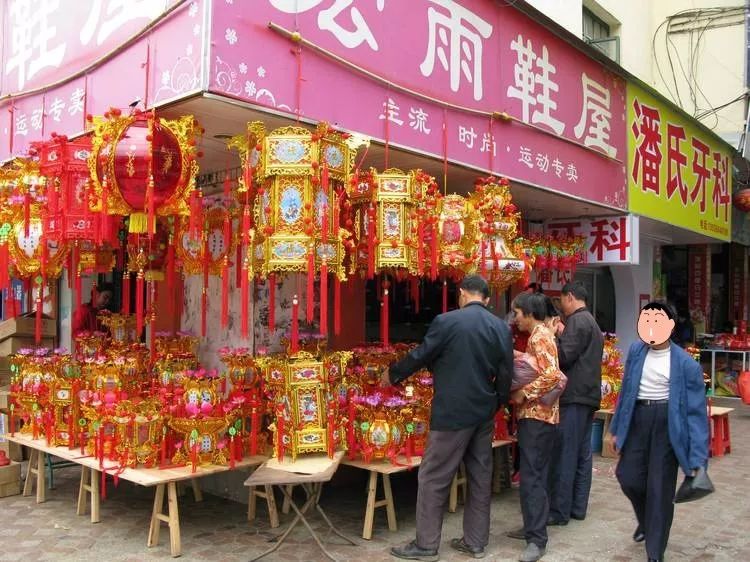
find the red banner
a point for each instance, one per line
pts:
(738, 279)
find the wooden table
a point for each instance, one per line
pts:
(382, 470)
(313, 486)
(92, 473)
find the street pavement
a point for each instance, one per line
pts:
(715, 528)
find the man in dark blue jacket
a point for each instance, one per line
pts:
(470, 354)
(660, 423)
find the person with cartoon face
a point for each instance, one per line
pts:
(659, 425)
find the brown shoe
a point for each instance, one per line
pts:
(516, 534)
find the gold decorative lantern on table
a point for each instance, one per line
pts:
(302, 390)
(498, 225)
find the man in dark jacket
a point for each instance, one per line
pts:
(470, 354)
(580, 347)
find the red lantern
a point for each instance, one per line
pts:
(143, 166)
(741, 200)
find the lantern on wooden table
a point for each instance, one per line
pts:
(246, 377)
(498, 225)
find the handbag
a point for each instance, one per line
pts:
(694, 487)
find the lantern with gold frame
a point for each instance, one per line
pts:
(457, 235)
(498, 226)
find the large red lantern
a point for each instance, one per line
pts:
(143, 166)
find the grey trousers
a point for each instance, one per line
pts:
(445, 451)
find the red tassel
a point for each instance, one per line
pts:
(245, 305)
(152, 331)
(78, 289)
(294, 343)
(420, 249)
(4, 264)
(139, 304)
(310, 297)
(204, 296)
(225, 293)
(105, 209)
(370, 246)
(336, 305)
(38, 319)
(238, 266)
(324, 178)
(482, 259)
(126, 293)
(445, 296)
(272, 302)
(171, 264)
(150, 200)
(196, 213)
(324, 299)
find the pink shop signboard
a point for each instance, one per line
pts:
(160, 66)
(477, 55)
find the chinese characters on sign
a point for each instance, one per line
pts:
(609, 240)
(677, 173)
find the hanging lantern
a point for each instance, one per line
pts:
(387, 222)
(458, 237)
(143, 166)
(27, 250)
(64, 163)
(191, 252)
(498, 224)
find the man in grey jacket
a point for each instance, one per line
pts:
(580, 347)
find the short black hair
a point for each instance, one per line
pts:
(105, 287)
(655, 305)
(550, 307)
(533, 304)
(577, 289)
(476, 284)
(535, 287)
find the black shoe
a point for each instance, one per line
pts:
(412, 552)
(556, 522)
(516, 534)
(654, 560)
(577, 517)
(639, 535)
(461, 546)
(532, 553)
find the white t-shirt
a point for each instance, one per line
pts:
(655, 377)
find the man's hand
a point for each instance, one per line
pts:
(385, 377)
(518, 397)
(559, 327)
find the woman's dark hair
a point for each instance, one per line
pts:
(665, 308)
(531, 304)
(550, 307)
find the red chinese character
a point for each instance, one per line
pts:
(610, 236)
(700, 169)
(720, 193)
(647, 131)
(676, 160)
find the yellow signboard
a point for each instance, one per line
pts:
(677, 173)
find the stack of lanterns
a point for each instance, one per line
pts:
(612, 372)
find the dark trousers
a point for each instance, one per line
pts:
(445, 451)
(647, 473)
(535, 441)
(570, 482)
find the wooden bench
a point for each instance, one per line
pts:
(92, 477)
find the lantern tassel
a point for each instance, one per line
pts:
(336, 305)
(434, 254)
(139, 303)
(420, 249)
(4, 264)
(386, 316)
(225, 293)
(78, 288)
(150, 201)
(324, 299)
(294, 343)
(204, 296)
(310, 302)
(38, 319)
(26, 214)
(152, 316)
(445, 296)
(245, 305)
(171, 265)
(482, 259)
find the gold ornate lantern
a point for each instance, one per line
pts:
(498, 225)
(458, 236)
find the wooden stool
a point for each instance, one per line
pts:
(286, 504)
(266, 494)
(89, 485)
(459, 479)
(172, 519)
(37, 465)
(373, 503)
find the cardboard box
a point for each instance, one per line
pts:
(11, 345)
(10, 480)
(26, 326)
